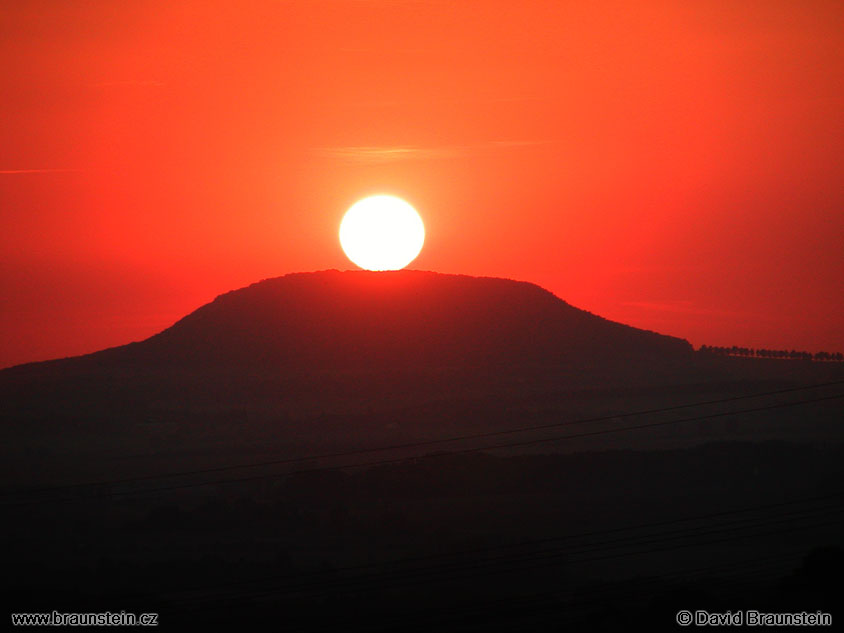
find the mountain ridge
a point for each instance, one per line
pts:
(348, 319)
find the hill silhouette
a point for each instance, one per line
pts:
(335, 321)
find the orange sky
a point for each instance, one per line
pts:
(673, 165)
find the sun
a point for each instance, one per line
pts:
(382, 233)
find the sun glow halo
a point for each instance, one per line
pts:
(382, 233)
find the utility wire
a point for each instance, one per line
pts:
(397, 563)
(381, 462)
(374, 582)
(433, 442)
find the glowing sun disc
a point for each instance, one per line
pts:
(382, 233)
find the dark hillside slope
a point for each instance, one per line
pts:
(362, 320)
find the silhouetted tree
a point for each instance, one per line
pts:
(793, 354)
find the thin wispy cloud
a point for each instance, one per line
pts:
(127, 82)
(680, 306)
(462, 101)
(376, 154)
(373, 154)
(524, 143)
(47, 170)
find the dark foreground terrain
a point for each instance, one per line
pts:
(304, 455)
(453, 542)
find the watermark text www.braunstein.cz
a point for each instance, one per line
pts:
(105, 618)
(753, 618)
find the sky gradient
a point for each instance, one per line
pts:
(674, 166)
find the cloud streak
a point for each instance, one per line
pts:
(58, 170)
(123, 83)
(680, 306)
(378, 154)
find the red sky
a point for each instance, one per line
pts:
(673, 165)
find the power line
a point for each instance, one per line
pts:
(135, 493)
(434, 442)
(671, 534)
(473, 568)
(461, 571)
